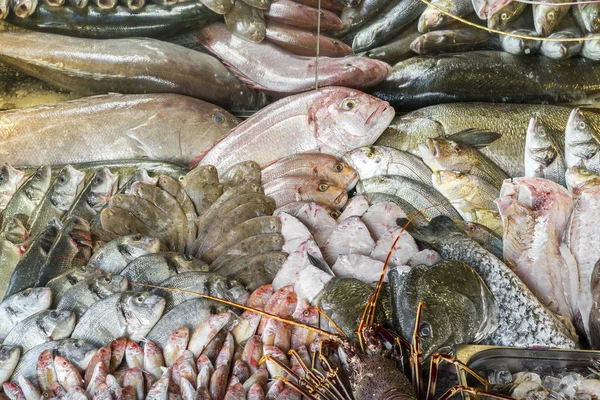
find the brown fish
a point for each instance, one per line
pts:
(304, 43)
(290, 13)
(304, 188)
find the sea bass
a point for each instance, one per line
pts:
(331, 120)
(76, 131)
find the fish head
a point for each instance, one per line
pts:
(68, 185)
(504, 16)
(235, 291)
(57, 324)
(104, 184)
(9, 356)
(340, 172)
(326, 192)
(444, 154)
(134, 246)
(453, 184)
(38, 183)
(344, 119)
(546, 19)
(430, 19)
(539, 148)
(104, 286)
(478, 232)
(590, 14)
(30, 301)
(180, 335)
(141, 310)
(578, 177)
(418, 44)
(10, 178)
(186, 263)
(369, 161)
(79, 352)
(581, 138)
(15, 231)
(220, 121)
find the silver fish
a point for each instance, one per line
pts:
(41, 327)
(21, 305)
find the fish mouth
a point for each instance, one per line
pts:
(340, 199)
(377, 113)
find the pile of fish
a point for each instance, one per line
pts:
(530, 385)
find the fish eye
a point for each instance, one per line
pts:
(542, 132)
(97, 180)
(581, 125)
(335, 214)
(181, 178)
(470, 227)
(425, 330)
(306, 313)
(218, 118)
(107, 279)
(551, 15)
(140, 299)
(457, 149)
(2, 179)
(381, 179)
(338, 167)
(348, 104)
(53, 314)
(38, 174)
(77, 345)
(137, 237)
(504, 16)
(187, 257)
(26, 293)
(62, 179)
(323, 187)
(585, 171)
(370, 154)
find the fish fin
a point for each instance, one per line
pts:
(475, 137)
(243, 78)
(320, 264)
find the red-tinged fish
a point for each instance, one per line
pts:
(13, 391)
(98, 377)
(134, 355)
(67, 375)
(218, 382)
(236, 392)
(102, 356)
(77, 131)
(252, 353)
(176, 345)
(330, 120)
(45, 372)
(267, 67)
(117, 353)
(185, 368)
(204, 333)
(134, 377)
(153, 359)
(260, 378)
(304, 43)
(291, 13)
(240, 371)
(290, 189)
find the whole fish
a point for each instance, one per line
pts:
(304, 43)
(485, 237)
(579, 236)
(450, 41)
(61, 195)
(389, 23)
(471, 196)
(10, 180)
(344, 120)
(459, 308)
(139, 123)
(251, 246)
(320, 165)
(578, 178)
(60, 284)
(11, 251)
(26, 199)
(288, 189)
(95, 195)
(21, 305)
(493, 77)
(255, 270)
(72, 248)
(560, 50)
(510, 121)
(343, 300)
(432, 19)
(506, 16)
(9, 358)
(130, 314)
(547, 18)
(450, 155)
(582, 139)
(41, 327)
(246, 22)
(78, 352)
(104, 66)
(420, 196)
(156, 268)
(396, 50)
(372, 161)
(544, 152)
(522, 320)
(290, 13)
(82, 295)
(117, 254)
(534, 211)
(251, 61)
(153, 20)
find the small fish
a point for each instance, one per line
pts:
(9, 358)
(42, 327)
(10, 180)
(519, 46)
(114, 256)
(82, 295)
(450, 41)
(96, 194)
(544, 152)
(560, 50)
(467, 314)
(22, 305)
(158, 267)
(64, 282)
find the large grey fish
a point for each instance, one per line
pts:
(494, 76)
(78, 352)
(28, 196)
(156, 268)
(582, 139)
(345, 119)
(82, 295)
(510, 121)
(189, 314)
(210, 283)
(137, 129)
(19, 306)
(344, 300)
(103, 66)
(95, 195)
(459, 308)
(10, 180)
(254, 65)
(130, 314)
(41, 327)
(60, 284)
(420, 196)
(114, 256)
(9, 358)
(544, 152)
(26, 272)
(72, 248)
(522, 320)
(372, 161)
(390, 22)
(62, 193)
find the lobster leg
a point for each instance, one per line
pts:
(436, 359)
